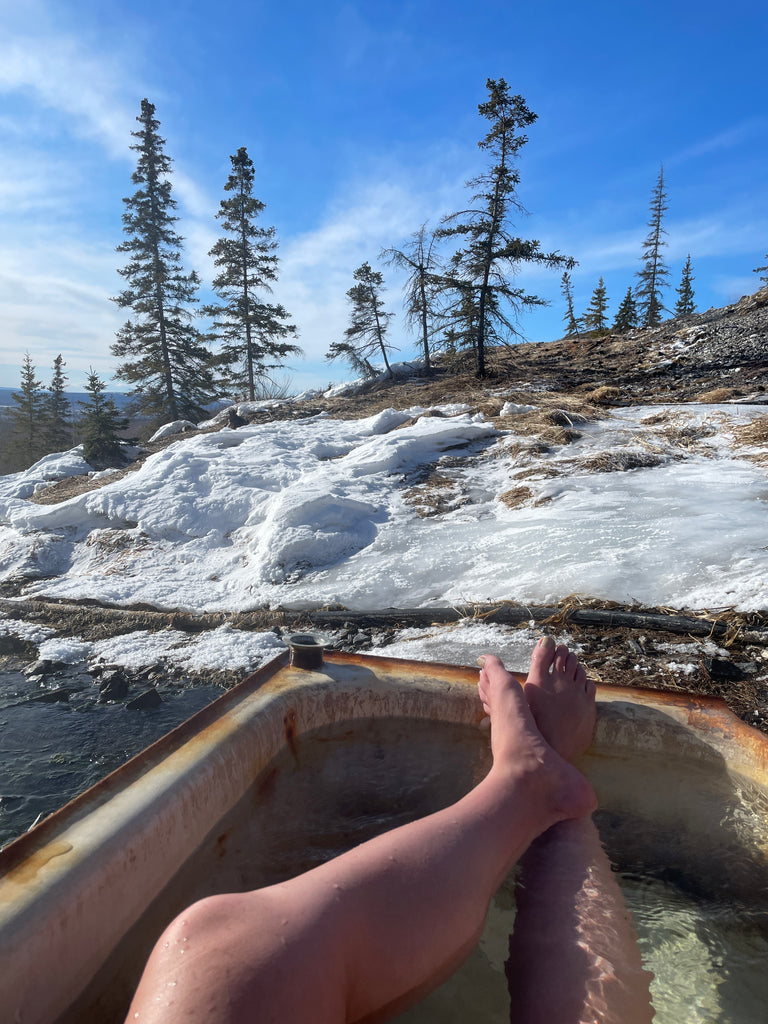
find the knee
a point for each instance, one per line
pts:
(208, 919)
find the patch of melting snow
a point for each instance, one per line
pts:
(24, 630)
(686, 669)
(310, 512)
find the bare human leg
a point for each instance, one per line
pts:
(573, 954)
(369, 932)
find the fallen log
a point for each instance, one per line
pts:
(751, 628)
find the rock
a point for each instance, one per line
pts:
(748, 668)
(722, 668)
(144, 701)
(61, 693)
(43, 667)
(234, 421)
(113, 685)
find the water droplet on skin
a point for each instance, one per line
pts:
(171, 984)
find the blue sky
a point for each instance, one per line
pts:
(362, 123)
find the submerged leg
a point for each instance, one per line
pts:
(369, 932)
(573, 954)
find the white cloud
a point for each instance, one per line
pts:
(317, 266)
(61, 74)
(723, 140)
(731, 288)
(55, 298)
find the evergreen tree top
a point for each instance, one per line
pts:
(507, 114)
(237, 212)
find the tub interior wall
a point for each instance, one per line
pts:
(683, 821)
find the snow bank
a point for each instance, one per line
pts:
(47, 471)
(355, 387)
(169, 429)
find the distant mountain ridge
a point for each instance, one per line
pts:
(121, 401)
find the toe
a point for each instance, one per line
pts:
(490, 663)
(571, 665)
(543, 657)
(561, 659)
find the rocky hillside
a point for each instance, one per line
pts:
(717, 356)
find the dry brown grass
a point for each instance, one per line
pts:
(753, 434)
(716, 397)
(551, 426)
(522, 450)
(516, 497)
(620, 462)
(490, 407)
(688, 435)
(434, 496)
(605, 395)
(545, 472)
(656, 418)
(556, 436)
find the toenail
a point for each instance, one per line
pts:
(481, 660)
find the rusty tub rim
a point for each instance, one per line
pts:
(703, 713)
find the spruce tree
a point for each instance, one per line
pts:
(58, 415)
(595, 319)
(491, 255)
(685, 304)
(571, 321)
(763, 271)
(253, 332)
(462, 314)
(100, 423)
(368, 327)
(166, 361)
(653, 276)
(422, 283)
(28, 441)
(626, 315)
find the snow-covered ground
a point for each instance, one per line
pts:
(319, 511)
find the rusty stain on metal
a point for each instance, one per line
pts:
(26, 871)
(289, 729)
(221, 844)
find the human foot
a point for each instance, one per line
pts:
(519, 745)
(561, 698)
